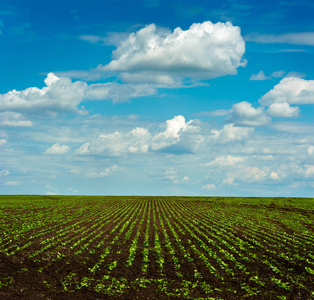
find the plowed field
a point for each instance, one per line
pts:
(80, 247)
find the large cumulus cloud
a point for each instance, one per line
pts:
(291, 90)
(205, 50)
(59, 94)
(243, 113)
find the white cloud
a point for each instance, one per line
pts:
(142, 137)
(107, 172)
(92, 38)
(225, 161)
(4, 172)
(118, 92)
(173, 175)
(255, 174)
(274, 175)
(163, 80)
(93, 74)
(310, 150)
(174, 126)
(278, 74)
(300, 38)
(14, 119)
(146, 60)
(259, 174)
(58, 149)
(216, 113)
(228, 181)
(259, 76)
(244, 114)
(295, 74)
(291, 90)
(283, 110)
(178, 132)
(230, 133)
(60, 94)
(75, 171)
(12, 183)
(263, 157)
(209, 187)
(2, 142)
(114, 144)
(309, 171)
(112, 38)
(171, 135)
(204, 51)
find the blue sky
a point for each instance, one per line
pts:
(153, 97)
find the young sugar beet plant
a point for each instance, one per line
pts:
(108, 248)
(146, 243)
(169, 246)
(134, 243)
(159, 255)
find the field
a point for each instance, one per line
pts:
(80, 247)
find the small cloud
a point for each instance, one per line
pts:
(4, 173)
(228, 181)
(72, 190)
(253, 174)
(300, 38)
(107, 172)
(278, 74)
(309, 171)
(259, 76)
(209, 187)
(59, 94)
(112, 38)
(310, 150)
(244, 114)
(173, 175)
(274, 175)
(186, 178)
(290, 90)
(75, 171)
(12, 183)
(2, 142)
(171, 135)
(58, 149)
(225, 161)
(295, 74)
(230, 133)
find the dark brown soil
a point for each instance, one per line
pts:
(271, 270)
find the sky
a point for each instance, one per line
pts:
(151, 97)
